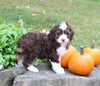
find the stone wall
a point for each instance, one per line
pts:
(46, 77)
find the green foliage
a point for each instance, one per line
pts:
(37, 61)
(9, 34)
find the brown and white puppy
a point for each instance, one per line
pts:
(42, 45)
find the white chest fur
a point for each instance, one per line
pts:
(61, 51)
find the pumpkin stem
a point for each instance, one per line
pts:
(92, 44)
(82, 50)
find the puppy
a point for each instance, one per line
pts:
(41, 45)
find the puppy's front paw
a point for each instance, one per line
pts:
(59, 70)
(32, 68)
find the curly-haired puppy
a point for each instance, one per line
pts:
(42, 45)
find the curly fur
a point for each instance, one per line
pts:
(41, 45)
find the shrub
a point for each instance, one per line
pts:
(9, 34)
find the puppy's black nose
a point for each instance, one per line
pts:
(63, 40)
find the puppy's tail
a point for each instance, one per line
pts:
(19, 50)
(19, 57)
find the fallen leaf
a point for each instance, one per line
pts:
(33, 14)
(41, 30)
(43, 12)
(56, 11)
(66, 12)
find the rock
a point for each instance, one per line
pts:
(7, 76)
(46, 77)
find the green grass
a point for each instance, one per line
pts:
(82, 15)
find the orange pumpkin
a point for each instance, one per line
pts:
(81, 63)
(95, 53)
(70, 52)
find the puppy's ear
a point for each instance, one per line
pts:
(51, 35)
(71, 33)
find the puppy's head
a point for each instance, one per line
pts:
(61, 33)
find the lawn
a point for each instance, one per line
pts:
(82, 15)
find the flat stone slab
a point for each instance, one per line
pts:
(7, 76)
(46, 77)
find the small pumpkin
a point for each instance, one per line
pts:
(94, 52)
(81, 63)
(70, 52)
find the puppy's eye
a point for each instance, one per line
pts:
(58, 33)
(66, 32)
